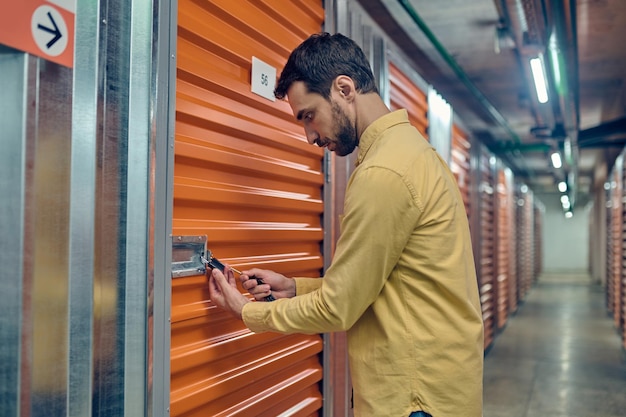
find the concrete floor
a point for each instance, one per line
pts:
(559, 355)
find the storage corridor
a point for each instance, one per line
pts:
(559, 355)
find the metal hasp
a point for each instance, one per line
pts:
(187, 254)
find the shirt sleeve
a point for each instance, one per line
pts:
(306, 285)
(380, 214)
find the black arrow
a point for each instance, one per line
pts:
(56, 32)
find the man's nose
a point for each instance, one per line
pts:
(311, 135)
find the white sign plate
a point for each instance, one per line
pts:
(263, 79)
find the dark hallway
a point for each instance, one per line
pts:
(560, 355)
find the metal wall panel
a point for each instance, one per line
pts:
(82, 144)
(439, 124)
(246, 178)
(13, 111)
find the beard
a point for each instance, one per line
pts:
(346, 137)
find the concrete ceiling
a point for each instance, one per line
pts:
(476, 54)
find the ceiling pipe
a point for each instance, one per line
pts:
(563, 57)
(493, 112)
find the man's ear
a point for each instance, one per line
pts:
(344, 86)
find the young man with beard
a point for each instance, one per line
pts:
(402, 281)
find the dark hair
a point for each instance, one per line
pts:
(320, 59)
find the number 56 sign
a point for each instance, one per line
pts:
(263, 79)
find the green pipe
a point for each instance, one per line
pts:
(493, 112)
(522, 147)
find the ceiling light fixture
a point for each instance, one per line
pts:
(556, 160)
(540, 80)
(562, 186)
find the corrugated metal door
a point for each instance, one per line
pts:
(404, 94)
(524, 219)
(613, 267)
(504, 243)
(460, 163)
(621, 288)
(246, 178)
(486, 276)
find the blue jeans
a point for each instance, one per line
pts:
(419, 414)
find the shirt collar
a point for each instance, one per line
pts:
(376, 129)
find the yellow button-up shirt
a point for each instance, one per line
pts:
(402, 283)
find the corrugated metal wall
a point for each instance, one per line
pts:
(246, 178)
(404, 94)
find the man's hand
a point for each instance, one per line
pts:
(224, 293)
(273, 283)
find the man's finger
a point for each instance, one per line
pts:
(219, 278)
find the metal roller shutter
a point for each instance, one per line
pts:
(486, 277)
(404, 94)
(246, 178)
(611, 244)
(460, 164)
(524, 242)
(619, 279)
(505, 207)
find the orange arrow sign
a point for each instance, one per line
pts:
(39, 27)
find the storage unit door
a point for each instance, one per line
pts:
(404, 94)
(505, 207)
(486, 276)
(245, 178)
(460, 163)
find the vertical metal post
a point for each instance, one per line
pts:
(13, 67)
(161, 186)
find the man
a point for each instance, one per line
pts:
(402, 282)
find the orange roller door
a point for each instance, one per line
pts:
(460, 164)
(504, 198)
(486, 277)
(404, 94)
(246, 178)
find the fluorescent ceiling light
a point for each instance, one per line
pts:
(564, 199)
(569, 214)
(562, 186)
(540, 80)
(556, 160)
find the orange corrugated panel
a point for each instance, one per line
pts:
(246, 178)
(404, 94)
(505, 252)
(487, 272)
(460, 163)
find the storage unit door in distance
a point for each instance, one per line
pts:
(245, 178)
(404, 94)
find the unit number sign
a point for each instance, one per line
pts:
(263, 79)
